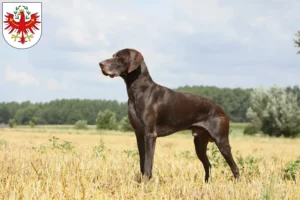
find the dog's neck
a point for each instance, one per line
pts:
(139, 78)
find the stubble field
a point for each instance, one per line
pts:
(59, 162)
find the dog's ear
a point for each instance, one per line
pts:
(136, 59)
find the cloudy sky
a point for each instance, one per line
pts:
(231, 43)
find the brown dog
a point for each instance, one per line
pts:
(156, 111)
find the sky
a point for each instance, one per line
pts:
(232, 43)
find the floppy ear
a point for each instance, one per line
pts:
(136, 59)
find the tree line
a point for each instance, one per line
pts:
(235, 102)
(65, 111)
(68, 111)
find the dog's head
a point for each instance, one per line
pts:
(122, 63)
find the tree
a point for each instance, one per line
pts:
(74, 116)
(32, 122)
(276, 111)
(297, 41)
(81, 125)
(106, 120)
(24, 115)
(12, 123)
(4, 114)
(125, 124)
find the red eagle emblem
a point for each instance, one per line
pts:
(24, 26)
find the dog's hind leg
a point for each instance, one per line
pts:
(225, 150)
(219, 130)
(201, 138)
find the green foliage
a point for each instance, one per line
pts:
(65, 111)
(296, 91)
(125, 124)
(63, 147)
(4, 114)
(131, 153)
(54, 142)
(51, 115)
(275, 111)
(106, 120)
(24, 115)
(12, 123)
(42, 149)
(291, 169)
(74, 116)
(235, 102)
(251, 130)
(67, 146)
(187, 155)
(32, 122)
(81, 125)
(248, 165)
(215, 156)
(297, 41)
(98, 151)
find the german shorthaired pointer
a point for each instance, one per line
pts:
(156, 111)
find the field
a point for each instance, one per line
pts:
(59, 162)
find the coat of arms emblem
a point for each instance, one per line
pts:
(22, 24)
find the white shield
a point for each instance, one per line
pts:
(22, 23)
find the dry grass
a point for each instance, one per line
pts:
(86, 172)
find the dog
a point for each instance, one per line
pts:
(157, 111)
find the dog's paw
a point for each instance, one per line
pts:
(141, 178)
(138, 177)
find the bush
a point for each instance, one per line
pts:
(81, 124)
(251, 130)
(106, 120)
(32, 122)
(275, 111)
(98, 151)
(291, 169)
(65, 147)
(125, 124)
(12, 123)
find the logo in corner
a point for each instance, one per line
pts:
(22, 24)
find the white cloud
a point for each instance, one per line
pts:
(20, 77)
(204, 12)
(273, 26)
(202, 16)
(86, 24)
(90, 59)
(53, 84)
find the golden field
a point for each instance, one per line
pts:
(76, 165)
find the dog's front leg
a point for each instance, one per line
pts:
(150, 142)
(141, 147)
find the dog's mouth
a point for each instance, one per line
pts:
(111, 75)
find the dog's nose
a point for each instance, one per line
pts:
(101, 64)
